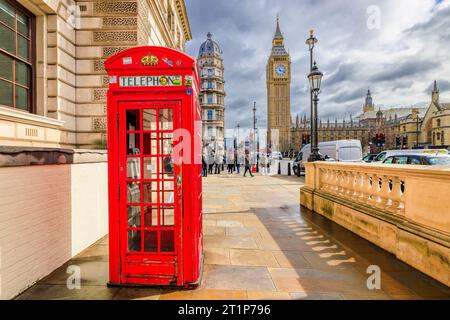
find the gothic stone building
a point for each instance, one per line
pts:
(52, 80)
(278, 77)
(212, 95)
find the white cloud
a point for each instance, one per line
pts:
(398, 61)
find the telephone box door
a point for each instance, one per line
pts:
(150, 182)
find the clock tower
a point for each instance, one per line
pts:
(278, 77)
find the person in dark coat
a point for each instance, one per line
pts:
(248, 166)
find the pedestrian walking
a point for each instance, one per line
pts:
(239, 162)
(204, 167)
(263, 164)
(230, 162)
(248, 166)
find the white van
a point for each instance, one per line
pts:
(389, 153)
(341, 151)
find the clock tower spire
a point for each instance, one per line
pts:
(278, 78)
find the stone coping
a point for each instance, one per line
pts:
(387, 168)
(32, 156)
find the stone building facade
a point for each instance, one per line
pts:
(64, 45)
(278, 78)
(212, 96)
(404, 127)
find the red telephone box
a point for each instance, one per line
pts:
(155, 178)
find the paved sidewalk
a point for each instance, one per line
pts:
(259, 245)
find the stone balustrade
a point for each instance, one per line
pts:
(403, 209)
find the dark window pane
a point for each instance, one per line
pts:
(133, 120)
(22, 98)
(6, 64)
(151, 241)
(7, 13)
(23, 48)
(6, 93)
(7, 39)
(134, 216)
(22, 74)
(23, 24)
(167, 241)
(134, 241)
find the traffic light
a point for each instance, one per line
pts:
(304, 139)
(398, 142)
(405, 141)
(383, 139)
(309, 138)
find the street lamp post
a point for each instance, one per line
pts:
(311, 42)
(255, 138)
(315, 81)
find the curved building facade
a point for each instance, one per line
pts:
(212, 96)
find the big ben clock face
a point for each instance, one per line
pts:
(280, 70)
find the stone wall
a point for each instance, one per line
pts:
(73, 40)
(402, 209)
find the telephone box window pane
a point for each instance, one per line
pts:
(134, 192)
(7, 39)
(134, 168)
(150, 146)
(150, 217)
(151, 192)
(149, 119)
(6, 66)
(167, 241)
(7, 13)
(23, 24)
(151, 241)
(134, 241)
(134, 217)
(22, 74)
(167, 197)
(150, 168)
(168, 185)
(133, 120)
(167, 216)
(165, 119)
(22, 101)
(167, 143)
(6, 93)
(167, 166)
(23, 46)
(133, 144)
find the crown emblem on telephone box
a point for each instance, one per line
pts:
(149, 60)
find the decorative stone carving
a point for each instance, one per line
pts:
(99, 65)
(119, 22)
(100, 94)
(115, 7)
(110, 51)
(99, 124)
(115, 36)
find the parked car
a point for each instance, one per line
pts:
(389, 153)
(419, 159)
(370, 157)
(341, 150)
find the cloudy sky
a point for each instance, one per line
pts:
(395, 47)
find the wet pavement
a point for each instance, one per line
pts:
(259, 245)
